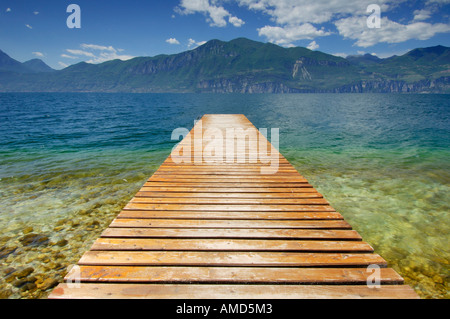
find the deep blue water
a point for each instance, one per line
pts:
(381, 160)
(144, 121)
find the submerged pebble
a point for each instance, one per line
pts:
(47, 284)
(34, 240)
(62, 242)
(27, 230)
(23, 272)
(6, 251)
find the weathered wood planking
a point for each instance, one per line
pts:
(233, 274)
(230, 291)
(219, 228)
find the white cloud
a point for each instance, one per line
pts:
(295, 20)
(216, 15)
(420, 15)
(103, 57)
(192, 44)
(285, 36)
(98, 47)
(69, 56)
(440, 2)
(38, 54)
(295, 12)
(355, 28)
(236, 21)
(8, 10)
(62, 64)
(313, 46)
(172, 41)
(36, 13)
(81, 52)
(28, 26)
(340, 54)
(97, 53)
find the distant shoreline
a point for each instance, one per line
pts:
(238, 66)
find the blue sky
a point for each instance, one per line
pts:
(126, 29)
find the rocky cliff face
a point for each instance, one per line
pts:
(246, 86)
(299, 66)
(389, 86)
(242, 85)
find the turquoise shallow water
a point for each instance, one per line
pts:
(70, 162)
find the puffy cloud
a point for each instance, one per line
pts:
(98, 47)
(295, 20)
(294, 12)
(355, 28)
(8, 9)
(286, 35)
(216, 15)
(28, 26)
(69, 56)
(420, 15)
(97, 53)
(313, 46)
(236, 21)
(38, 54)
(340, 54)
(172, 41)
(63, 65)
(440, 2)
(192, 44)
(104, 56)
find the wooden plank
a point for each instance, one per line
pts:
(142, 214)
(228, 174)
(230, 224)
(225, 179)
(208, 185)
(219, 170)
(229, 201)
(225, 166)
(178, 244)
(282, 167)
(229, 207)
(153, 194)
(243, 159)
(304, 188)
(213, 258)
(220, 292)
(230, 275)
(324, 234)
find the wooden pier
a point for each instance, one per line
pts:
(213, 225)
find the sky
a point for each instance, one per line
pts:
(126, 29)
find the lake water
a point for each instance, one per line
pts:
(70, 162)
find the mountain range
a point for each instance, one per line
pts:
(239, 66)
(8, 64)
